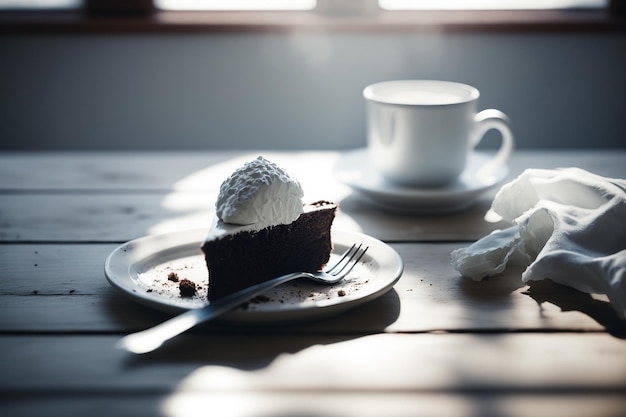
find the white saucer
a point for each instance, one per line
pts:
(354, 169)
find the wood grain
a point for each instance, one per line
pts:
(437, 344)
(320, 404)
(268, 362)
(113, 197)
(205, 170)
(121, 217)
(62, 288)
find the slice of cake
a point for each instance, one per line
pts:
(263, 230)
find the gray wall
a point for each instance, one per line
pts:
(295, 90)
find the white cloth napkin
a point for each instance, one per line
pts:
(569, 225)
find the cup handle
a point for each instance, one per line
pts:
(494, 119)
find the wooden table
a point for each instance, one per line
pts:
(436, 345)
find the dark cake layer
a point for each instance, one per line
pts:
(246, 258)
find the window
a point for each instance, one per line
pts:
(40, 4)
(302, 5)
(235, 4)
(383, 4)
(490, 4)
(117, 16)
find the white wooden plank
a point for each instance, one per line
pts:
(103, 170)
(121, 217)
(492, 363)
(54, 269)
(190, 170)
(74, 313)
(319, 404)
(62, 288)
(99, 217)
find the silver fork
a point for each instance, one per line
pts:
(148, 340)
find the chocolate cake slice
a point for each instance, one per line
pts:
(238, 257)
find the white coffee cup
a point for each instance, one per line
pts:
(421, 132)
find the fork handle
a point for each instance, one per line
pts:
(150, 339)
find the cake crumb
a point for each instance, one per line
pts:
(187, 288)
(173, 276)
(341, 293)
(260, 299)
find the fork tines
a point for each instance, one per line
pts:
(350, 258)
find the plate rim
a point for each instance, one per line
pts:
(120, 261)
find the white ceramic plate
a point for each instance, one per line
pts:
(140, 269)
(354, 169)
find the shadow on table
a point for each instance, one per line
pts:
(250, 347)
(570, 299)
(499, 293)
(359, 213)
(493, 289)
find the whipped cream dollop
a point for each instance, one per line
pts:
(259, 193)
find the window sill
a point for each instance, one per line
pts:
(384, 21)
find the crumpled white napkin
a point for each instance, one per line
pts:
(569, 225)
